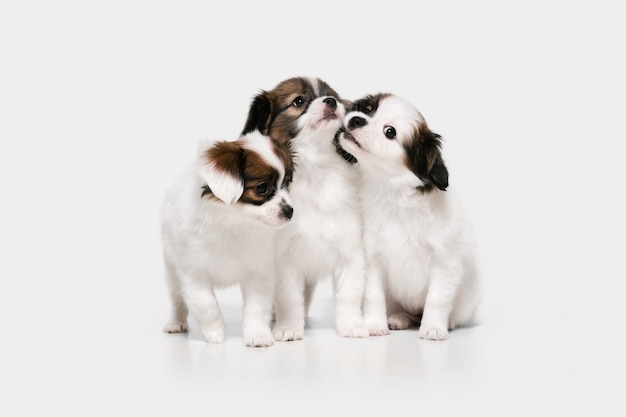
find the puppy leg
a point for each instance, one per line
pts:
(178, 319)
(204, 308)
(374, 306)
(442, 290)
(257, 311)
(467, 298)
(289, 306)
(397, 318)
(309, 290)
(348, 286)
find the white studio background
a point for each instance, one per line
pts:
(101, 103)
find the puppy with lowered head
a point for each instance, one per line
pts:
(419, 247)
(324, 239)
(218, 224)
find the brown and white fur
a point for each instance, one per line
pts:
(418, 244)
(218, 223)
(324, 238)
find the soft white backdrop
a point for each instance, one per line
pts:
(102, 102)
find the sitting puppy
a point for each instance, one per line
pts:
(418, 245)
(324, 239)
(219, 220)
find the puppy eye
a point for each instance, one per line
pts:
(261, 189)
(389, 132)
(299, 101)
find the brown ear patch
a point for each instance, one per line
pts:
(227, 157)
(259, 114)
(423, 157)
(258, 178)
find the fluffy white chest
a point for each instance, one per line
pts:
(404, 256)
(400, 233)
(326, 223)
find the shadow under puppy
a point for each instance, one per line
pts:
(324, 239)
(218, 223)
(419, 245)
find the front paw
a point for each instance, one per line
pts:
(377, 329)
(352, 328)
(258, 337)
(214, 336)
(399, 321)
(176, 327)
(432, 333)
(287, 333)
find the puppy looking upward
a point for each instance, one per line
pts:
(419, 245)
(218, 224)
(324, 238)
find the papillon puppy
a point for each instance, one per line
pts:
(418, 244)
(219, 221)
(324, 239)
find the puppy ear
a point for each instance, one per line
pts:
(423, 156)
(222, 170)
(258, 114)
(438, 173)
(347, 104)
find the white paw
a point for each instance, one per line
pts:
(176, 327)
(432, 333)
(258, 338)
(398, 321)
(378, 329)
(288, 333)
(352, 330)
(214, 336)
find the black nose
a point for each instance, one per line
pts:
(287, 211)
(356, 121)
(331, 102)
